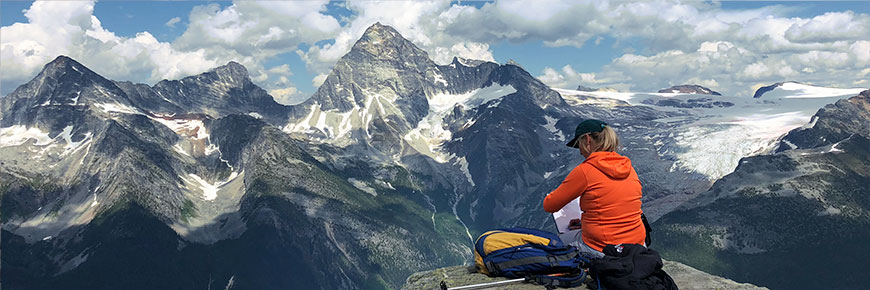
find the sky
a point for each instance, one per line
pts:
(289, 47)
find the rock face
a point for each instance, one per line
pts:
(690, 103)
(685, 277)
(690, 89)
(585, 89)
(832, 123)
(760, 91)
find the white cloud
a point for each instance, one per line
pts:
(680, 42)
(173, 21)
(469, 50)
(567, 78)
(283, 70)
(831, 26)
(318, 80)
(247, 32)
(696, 43)
(70, 28)
(288, 96)
(252, 32)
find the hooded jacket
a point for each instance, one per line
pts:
(609, 193)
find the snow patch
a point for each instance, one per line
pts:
(177, 148)
(71, 146)
(439, 79)
(830, 210)
(255, 115)
(211, 148)
(834, 148)
(551, 126)
(95, 203)
(429, 134)
(117, 108)
(192, 128)
(331, 124)
(361, 185)
(18, 135)
(463, 165)
(209, 190)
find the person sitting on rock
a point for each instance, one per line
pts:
(608, 188)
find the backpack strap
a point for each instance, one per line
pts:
(648, 239)
(562, 281)
(553, 260)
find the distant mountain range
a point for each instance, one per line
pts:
(783, 219)
(390, 168)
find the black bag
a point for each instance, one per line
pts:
(630, 266)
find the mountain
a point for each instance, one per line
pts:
(390, 168)
(690, 89)
(779, 219)
(101, 192)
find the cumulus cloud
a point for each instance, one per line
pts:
(70, 28)
(680, 42)
(567, 78)
(699, 43)
(288, 96)
(246, 32)
(831, 26)
(722, 66)
(469, 50)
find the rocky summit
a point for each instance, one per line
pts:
(684, 276)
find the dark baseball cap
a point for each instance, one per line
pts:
(586, 127)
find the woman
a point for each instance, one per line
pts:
(608, 188)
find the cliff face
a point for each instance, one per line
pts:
(686, 278)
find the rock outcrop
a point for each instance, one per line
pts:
(686, 278)
(690, 89)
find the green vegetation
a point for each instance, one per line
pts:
(376, 282)
(188, 210)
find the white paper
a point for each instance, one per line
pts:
(564, 216)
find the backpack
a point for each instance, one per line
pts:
(522, 252)
(630, 266)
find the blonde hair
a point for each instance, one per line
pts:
(606, 140)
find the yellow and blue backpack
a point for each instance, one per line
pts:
(522, 252)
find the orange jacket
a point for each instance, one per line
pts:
(610, 193)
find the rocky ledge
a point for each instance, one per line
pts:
(686, 278)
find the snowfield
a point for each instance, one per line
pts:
(717, 138)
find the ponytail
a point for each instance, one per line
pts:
(606, 140)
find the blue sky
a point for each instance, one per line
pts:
(592, 55)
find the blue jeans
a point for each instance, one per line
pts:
(575, 238)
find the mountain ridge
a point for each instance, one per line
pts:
(393, 168)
